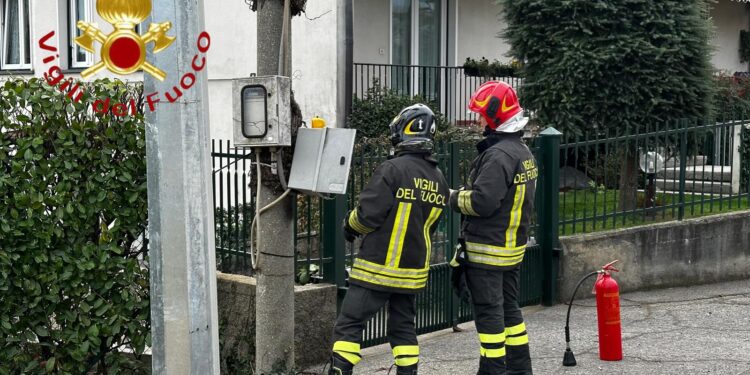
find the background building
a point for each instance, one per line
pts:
(411, 45)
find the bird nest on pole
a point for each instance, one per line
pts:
(297, 6)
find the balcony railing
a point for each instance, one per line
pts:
(448, 89)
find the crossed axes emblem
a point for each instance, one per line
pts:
(124, 50)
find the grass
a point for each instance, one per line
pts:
(587, 211)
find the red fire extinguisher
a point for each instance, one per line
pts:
(608, 314)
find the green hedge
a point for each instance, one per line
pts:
(612, 63)
(73, 262)
(372, 114)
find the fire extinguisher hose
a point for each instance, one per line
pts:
(570, 304)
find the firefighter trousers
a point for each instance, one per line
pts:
(504, 344)
(359, 306)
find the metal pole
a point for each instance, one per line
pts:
(184, 321)
(344, 67)
(274, 301)
(547, 212)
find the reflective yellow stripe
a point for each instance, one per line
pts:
(495, 250)
(348, 350)
(357, 225)
(511, 233)
(492, 353)
(491, 338)
(515, 330)
(347, 346)
(394, 272)
(517, 341)
(464, 203)
(372, 278)
(405, 350)
(406, 361)
(400, 226)
(353, 222)
(493, 261)
(434, 215)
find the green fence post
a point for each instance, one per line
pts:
(547, 211)
(683, 169)
(334, 247)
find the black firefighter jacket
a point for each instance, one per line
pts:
(498, 202)
(398, 211)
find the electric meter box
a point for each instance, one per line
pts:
(262, 111)
(322, 158)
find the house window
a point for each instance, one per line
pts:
(16, 35)
(78, 10)
(416, 39)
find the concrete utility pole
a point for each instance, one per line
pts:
(274, 301)
(184, 323)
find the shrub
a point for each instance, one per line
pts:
(372, 114)
(73, 212)
(495, 69)
(732, 100)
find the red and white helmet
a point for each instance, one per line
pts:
(498, 103)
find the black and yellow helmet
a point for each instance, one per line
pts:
(414, 127)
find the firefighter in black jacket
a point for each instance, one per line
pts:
(398, 211)
(497, 205)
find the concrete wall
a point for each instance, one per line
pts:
(729, 17)
(697, 251)
(372, 31)
(479, 25)
(315, 315)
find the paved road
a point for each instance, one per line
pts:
(695, 330)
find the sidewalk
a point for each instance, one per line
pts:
(695, 330)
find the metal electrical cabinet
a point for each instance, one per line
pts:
(322, 158)
(262, 111)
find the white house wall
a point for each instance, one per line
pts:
(314, 70)
(729, 17)
(372, 31)
(479, 25)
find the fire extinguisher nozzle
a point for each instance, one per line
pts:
(569, 360)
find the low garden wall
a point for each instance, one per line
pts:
(697, 251)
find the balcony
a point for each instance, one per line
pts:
(446, 88)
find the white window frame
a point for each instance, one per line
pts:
(73, 32)
(414, 53)
(415, 32)
(23, 54)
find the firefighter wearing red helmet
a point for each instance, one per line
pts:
(496, 204)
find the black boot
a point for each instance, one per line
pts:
(491, 366)
(407, 370)
(340, 367)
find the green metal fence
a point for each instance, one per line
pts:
(321, 253)
(706, 169)
(234, 207)
(699, 171)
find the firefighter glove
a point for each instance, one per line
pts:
(458, 273)
(349, 234)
